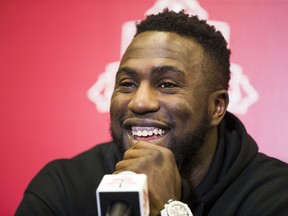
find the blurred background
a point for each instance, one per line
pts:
(58, 59)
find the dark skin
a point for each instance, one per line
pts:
(160, 85)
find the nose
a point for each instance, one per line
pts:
(144, 100)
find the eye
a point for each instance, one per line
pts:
(127, 84)
(167, 85)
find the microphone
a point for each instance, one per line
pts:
(124, 194)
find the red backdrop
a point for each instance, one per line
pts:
(52, 52)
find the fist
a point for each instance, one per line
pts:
(158, 163)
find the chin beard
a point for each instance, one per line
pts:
(185, 148)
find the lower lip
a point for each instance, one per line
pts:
(146, 138)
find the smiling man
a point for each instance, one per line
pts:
(169, 121)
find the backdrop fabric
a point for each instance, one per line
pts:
(58, 59)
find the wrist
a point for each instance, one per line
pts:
(176, 208)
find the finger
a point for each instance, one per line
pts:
(145, 144)
(126, 165)
(136, 153)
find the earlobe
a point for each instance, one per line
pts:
(220, 101)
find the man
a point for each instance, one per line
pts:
(169, 121)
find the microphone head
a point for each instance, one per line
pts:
(125, 191)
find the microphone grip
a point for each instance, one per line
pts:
(118, 209)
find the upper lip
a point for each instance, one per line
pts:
(128, 123)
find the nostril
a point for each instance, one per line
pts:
(143, 102)
(143, 106)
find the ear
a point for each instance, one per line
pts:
(218, 103)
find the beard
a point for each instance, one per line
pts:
(183, 148)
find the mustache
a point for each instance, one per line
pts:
(160, 117)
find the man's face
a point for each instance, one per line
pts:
(160, 95)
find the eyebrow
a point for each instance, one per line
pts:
(166, 68)
(126, 70)
(155, 70)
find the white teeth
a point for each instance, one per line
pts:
(147, 131)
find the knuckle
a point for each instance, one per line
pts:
(119, 166)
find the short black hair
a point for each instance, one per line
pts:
(216, 52)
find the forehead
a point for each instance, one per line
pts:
(163, 48)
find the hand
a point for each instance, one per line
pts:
(158, 163)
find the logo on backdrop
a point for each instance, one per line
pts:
(242, 93)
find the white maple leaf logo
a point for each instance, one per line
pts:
(241, 93)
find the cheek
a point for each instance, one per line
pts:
(117, 102)
(118, 107)
(180, 108)
(186, 112)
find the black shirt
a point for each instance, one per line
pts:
(241, 181)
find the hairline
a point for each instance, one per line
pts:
(206, 69)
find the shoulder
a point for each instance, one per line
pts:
(86, 169)
(98, 150)
(67, 186)
(265, 186)
(267, 167)
(98, 160)
(268, 174)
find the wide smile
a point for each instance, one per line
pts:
(147, 133)
(145, 129)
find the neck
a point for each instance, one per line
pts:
(195, 171)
